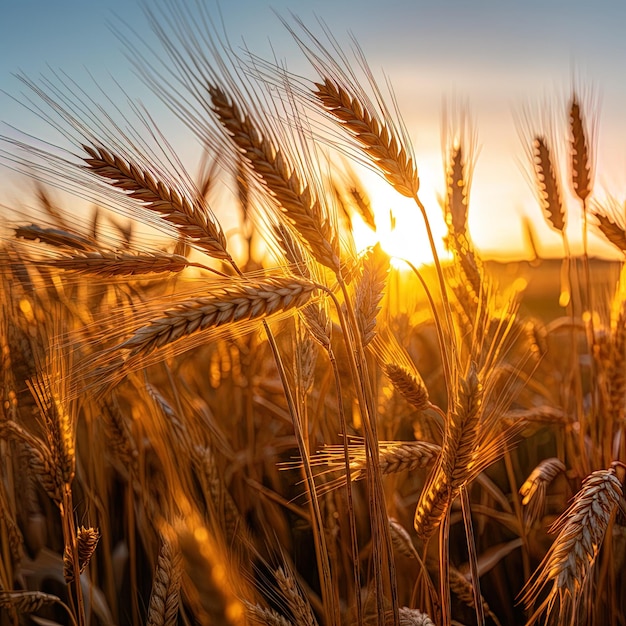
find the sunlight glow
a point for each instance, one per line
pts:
(399, 226)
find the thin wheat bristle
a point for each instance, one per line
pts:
(580, 154)
(246, 300)
(187, 214)
(581, 532)
(548, 186)
(280, 178)
(376, 139)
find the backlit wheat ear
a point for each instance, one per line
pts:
(609, 221)
(456, 203)
(408, 384)
(244, 300)
(369, 291)
(533, 491)
(394, 457)
(580, 151)
(581, 531)
(458, 454)
(270, 164)
(547, 184)
(109, 264)
(376, 138)
(186, 213)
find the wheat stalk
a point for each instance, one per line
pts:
(370, 291)
(188, 214)
(245, 300)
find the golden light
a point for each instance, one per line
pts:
(399, 224)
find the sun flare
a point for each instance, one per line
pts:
(400, 227)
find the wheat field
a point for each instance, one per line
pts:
(263, 425)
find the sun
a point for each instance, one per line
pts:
(400, 226)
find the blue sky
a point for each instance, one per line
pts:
(497, 55)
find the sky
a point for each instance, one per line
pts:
(500, 58)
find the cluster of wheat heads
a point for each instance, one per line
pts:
(227, 438)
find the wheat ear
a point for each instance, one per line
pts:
(377, 139)
(245, 300)
(580, 153)
(188, 214)
(106, 264)
(547, 182)
(370, 291)
(164, 599)
(458, 454)
(581, 531)
(280, 178)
